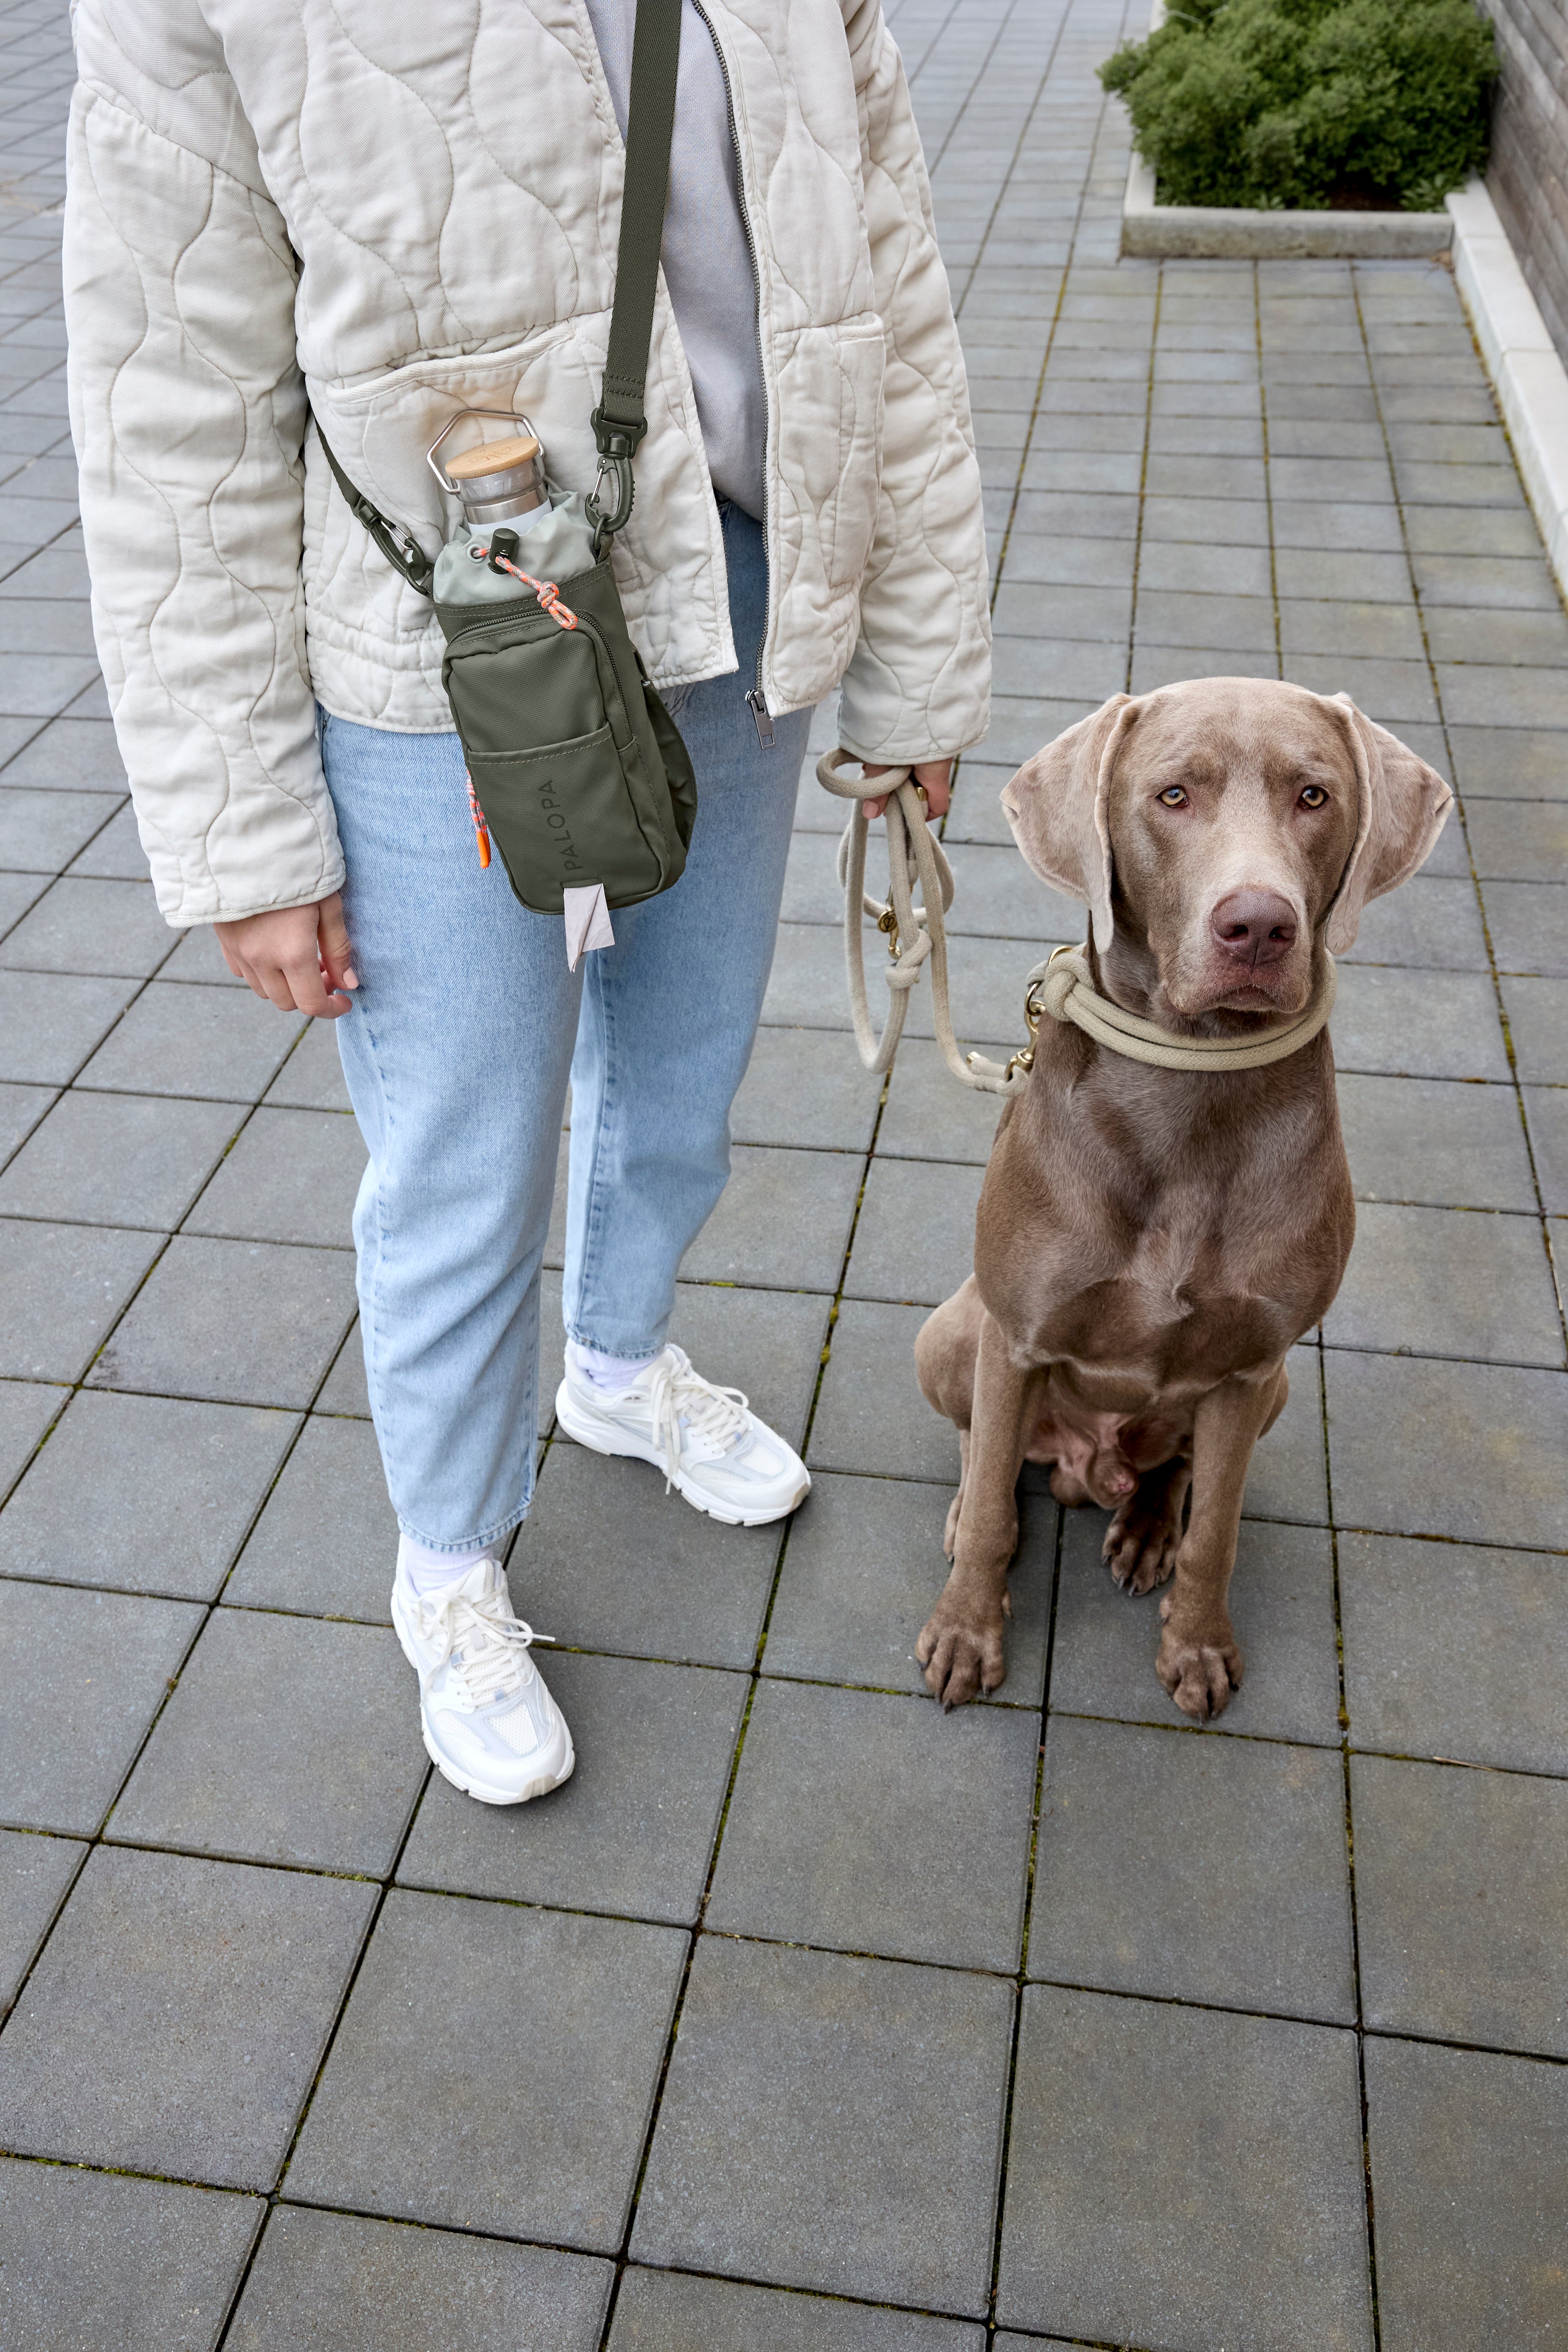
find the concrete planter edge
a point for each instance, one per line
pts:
(1153, 232)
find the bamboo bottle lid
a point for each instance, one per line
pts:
(492, 458)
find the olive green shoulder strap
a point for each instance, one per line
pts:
(619, 421)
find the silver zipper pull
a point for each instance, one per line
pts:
(759, 710)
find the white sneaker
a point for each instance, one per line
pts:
(706, 1439)
(490, 1726)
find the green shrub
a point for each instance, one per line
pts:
(1272, 102)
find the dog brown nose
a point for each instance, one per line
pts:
(1256, 927)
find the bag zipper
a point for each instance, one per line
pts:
(756, 701)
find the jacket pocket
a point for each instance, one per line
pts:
(851, 523)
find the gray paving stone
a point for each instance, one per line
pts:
(42, 832)
(97, 1667)
(199, 959)
(1180, 565)
(782, 1222)
(26, 1408)
(119, 1159)
(1350, 529)
(38, 685)
(18, 893)
(1466, 2172)
(1517, 841)
(1546, 1110)
(831, 2122)
(1456, 1653)
(1157, 666)
(35, 1872)
(1073, 670)
(1166, 617)
(1027, 608)
(326, 1542)
(1069, 559)
(1281, 1605)
(1516, 763)
(1538, 1024)
(49, 1027)
(61, 1288)
(1389, 691)
(1466, 1451)
(243, 1322)
(291, 1177)
(1461, 1902)
(633, 1829)
(114, 855)
(767, 1343)
(605, 1560)
(1504, 583)
(1244, 2136)
(108, 928)
(870, 1414)
(664, 2311)
(552, 2026)
(93, 2259)
(21, 1108)
(346, 1389)
(805, 1087)
(177, 2017)
(1476, 695)
(1418, 1024)
(1529, 925)
(1433, 922)
(144, 1492)
(1140, 1827)
(928, 1116)
(915, 1237)
(841, 1801)
(343, 2282)
(1447, 1282)
(862, 1571)
(327, 1783)
(312, 1076)
(996, 896)
(1459, 634)
(1379, 629)
(1428, 1140)
(215, 1042)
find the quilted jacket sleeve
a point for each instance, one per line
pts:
(919, 684)
(189, 412)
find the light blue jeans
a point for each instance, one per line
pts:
(464, 1028)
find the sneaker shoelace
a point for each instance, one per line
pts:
(485, 1644)
(714, 1417)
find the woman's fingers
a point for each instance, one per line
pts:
(332, 938)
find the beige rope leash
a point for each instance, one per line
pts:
(1062, 988)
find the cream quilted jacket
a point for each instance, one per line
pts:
(390, 209)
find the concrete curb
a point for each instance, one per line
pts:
(1527, 377)
(1153, 232)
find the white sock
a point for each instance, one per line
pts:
(610, 1373)
(429, 1571)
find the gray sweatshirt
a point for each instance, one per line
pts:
(706, 260)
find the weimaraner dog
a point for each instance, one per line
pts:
(1150, 1241)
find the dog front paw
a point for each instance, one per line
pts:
(1141, 1545)
(1200, 1670)
(961, 1651)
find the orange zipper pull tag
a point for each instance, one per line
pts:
(481, 828)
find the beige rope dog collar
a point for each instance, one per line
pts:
(1061, 988)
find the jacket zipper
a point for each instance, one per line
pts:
(756, 701)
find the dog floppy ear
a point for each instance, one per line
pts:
(1055, 805)
(1402, 806)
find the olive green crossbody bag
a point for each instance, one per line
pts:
(576, 768)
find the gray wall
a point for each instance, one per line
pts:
(1528, 176)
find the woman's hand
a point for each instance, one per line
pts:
(297, 957)
(936, 775)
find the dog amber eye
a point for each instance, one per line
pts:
(1174, 796)
(1313, 796)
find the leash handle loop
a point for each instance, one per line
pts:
(916, 935)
